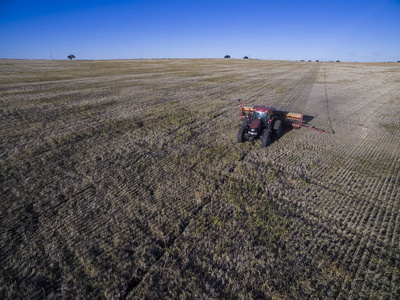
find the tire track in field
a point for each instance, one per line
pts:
(296, 98)
(279, 79)
(327, 103)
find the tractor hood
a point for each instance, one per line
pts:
(255, 124)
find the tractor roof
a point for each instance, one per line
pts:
(264, 109)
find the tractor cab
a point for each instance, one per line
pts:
(259, 120)
(263, 113)
(265, 117)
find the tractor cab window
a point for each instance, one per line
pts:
(263, 116)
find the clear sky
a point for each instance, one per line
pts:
(347, 30)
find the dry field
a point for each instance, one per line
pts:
(123, 179)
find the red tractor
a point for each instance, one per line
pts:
(265, 123)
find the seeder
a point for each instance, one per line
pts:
(265, 123)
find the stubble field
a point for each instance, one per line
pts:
(123, 179)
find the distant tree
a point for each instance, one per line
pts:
(71, 56)
(246, 57)
(227, 56)
(338, 61)
(317, 60)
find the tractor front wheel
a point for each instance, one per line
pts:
(266, 138)
(240, 136)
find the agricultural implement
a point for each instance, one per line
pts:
(265, 123)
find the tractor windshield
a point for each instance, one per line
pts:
(260, 115)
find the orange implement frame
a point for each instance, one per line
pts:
(244, 109)
(289, 118)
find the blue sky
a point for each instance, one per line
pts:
(356, 30)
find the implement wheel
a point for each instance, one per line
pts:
(266, 138)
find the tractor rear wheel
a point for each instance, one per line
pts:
(240, 136)
(266, 138)
(278, 128)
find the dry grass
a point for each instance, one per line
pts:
(123, 179)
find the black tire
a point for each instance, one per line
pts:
(240, 136)
(278, 128)
(266, 138)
